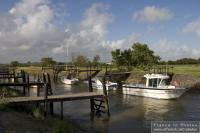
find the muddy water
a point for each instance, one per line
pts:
(128, 113)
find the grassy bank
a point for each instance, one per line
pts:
(27, 119)
(13, 121)
(193, 70)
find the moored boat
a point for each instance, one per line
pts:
(109, 85)
(97, 84)
(69, 81)
(157, 86)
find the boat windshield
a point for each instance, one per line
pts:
(164, 82)
(154, 82)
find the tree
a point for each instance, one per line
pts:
(96, 60)
(138, 55)
(127, 58)
(117, 58)
(81, 60)
(143, 56)
(14, 63)
(47, 61)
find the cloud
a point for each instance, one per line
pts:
(153, 14)
(28, 32)
(193, 27)
(33, 17)
(123, 43)
(172, 50)
(88, 37)
(96, 19)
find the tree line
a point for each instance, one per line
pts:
(139, 55)
(79, 60)
(182, 61)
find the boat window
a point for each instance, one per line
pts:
(150, 82)
(164, 82)
(153, 82)
(158, 81)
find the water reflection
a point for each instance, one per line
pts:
(128, 113)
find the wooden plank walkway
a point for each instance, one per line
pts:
(21, 84)
(53, 98)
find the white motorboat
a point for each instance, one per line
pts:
(97, 84)
(69, 81)
(157, 86)
(109, 85)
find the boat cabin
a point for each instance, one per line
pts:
(155, 80)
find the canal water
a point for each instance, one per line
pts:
(128, 113)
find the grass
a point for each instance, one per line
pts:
(31, 69)
(38, 114)
(64, 127)
(193, 70)
(7, 92)
(3, 105)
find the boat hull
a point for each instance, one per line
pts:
(69, 81)
(108, 87)
(154, 92)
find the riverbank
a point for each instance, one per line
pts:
(187, 75)
(10, 119)
(185, 80)
(20, 122)
(27, 119)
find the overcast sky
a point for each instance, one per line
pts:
(31, 29)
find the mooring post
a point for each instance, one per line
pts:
(106, 94)
(38, 87)
(61, 110)
(44, 78)
(91, 99)
(24, 81)
(54, 75)
(28, 86)
(50, 92)
(14, 76)
(45, 100)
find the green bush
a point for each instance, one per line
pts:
(3, 106)
(64, 127)
(38, 114)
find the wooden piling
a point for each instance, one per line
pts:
(91, 99)
(24, 81)
(38, 87)
(50, 92)
(45, 101)
(28, 86)
(106, 95)
(61, 110)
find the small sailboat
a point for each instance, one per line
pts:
(69, 80)
(157, 86)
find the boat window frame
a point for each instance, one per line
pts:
(153, 82)
(166, 82)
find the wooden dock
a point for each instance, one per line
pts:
(98, 102)
(53, 98)
(96, 108)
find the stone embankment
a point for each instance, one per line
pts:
(185, 80)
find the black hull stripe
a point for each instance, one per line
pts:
(136, 87)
